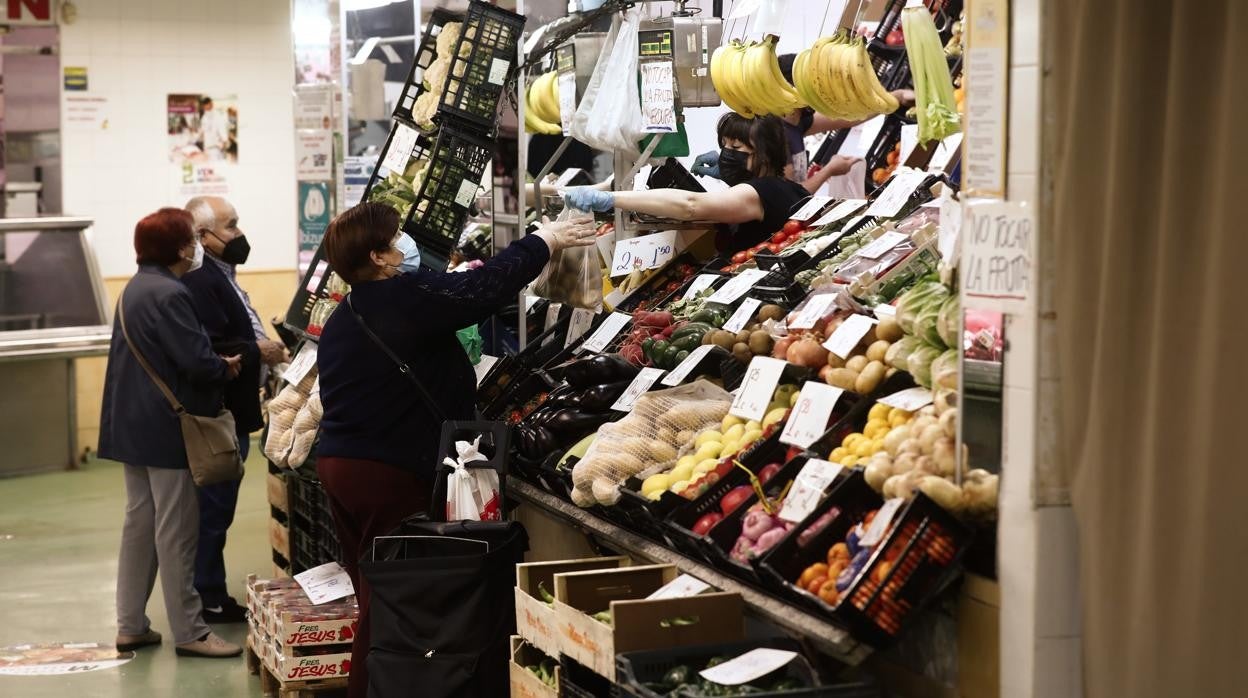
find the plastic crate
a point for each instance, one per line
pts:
(452, 176)
(425, 56)
(578, 681)
(636, 669)
(877, 154)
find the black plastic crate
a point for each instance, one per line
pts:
(877, 155)
(579, 681)
(305, 551)
(425, 56)
(451, 179)
(635, 670)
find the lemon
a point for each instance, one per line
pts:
(734, 433)
(838, 455)
(689, 460)
(705, 466)
(898, 418)
(655, 483)
(729, 422)
(879, 411)
(681, 472)
(775, 416)
(730, 448)
(753, 425)
(710, 449)
(862, 449)
(849, 462)
(707, 437)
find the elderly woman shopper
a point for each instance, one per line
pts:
(139, 428)
(376, 456)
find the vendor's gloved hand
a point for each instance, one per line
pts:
(561, 235)
(589, 199)
(707, 164)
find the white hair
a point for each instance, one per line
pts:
(203, 214)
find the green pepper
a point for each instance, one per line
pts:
(547, 597)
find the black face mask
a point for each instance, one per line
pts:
(732, 166)
(236, 251)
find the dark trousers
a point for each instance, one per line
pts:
(367, 499)
(216, 513)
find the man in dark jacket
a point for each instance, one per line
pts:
(234, 327)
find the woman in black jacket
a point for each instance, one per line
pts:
(139, 428)
(377, 451)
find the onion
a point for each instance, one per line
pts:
(895, 438)
(980, 494)
(877, 475)
(949, 422)
(904, 463)
(807, 352)
(781, 348)
(943, 492)
(929, 436)
(943, 455)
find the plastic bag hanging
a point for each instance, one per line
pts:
(472, 494)
(609, 115)
(573, 276)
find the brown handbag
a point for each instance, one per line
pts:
(211, 442)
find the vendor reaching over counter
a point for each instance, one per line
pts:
(752, 157)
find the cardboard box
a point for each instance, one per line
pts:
(524, 683)
(638, 624)
(315, 667)
(535, 619)
(290, 632)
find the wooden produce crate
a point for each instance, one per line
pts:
(535, 619)
(524, 683)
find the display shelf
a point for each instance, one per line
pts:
(828, 637)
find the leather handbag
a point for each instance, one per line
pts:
(211, 442)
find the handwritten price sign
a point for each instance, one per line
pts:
(646, 252)
(658, 108)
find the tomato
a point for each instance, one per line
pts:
(793, 227)
(739, 258)
(895, 38)
(707, 522)
(749, 254)
(780, 236)
(774, 247)
(735, 498)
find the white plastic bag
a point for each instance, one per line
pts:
(472, 494)
(573, 275)
(609, 115)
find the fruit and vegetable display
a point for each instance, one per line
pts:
(881, 174)
(399, 190)
(553, 421)
(434, 79)
(784, 239)
(935, 104)
(684, 681)
(929, 316)
(541, 106)
(545, 672)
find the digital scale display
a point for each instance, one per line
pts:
(655, 43)
(565, 58)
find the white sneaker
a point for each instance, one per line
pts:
(210, 645)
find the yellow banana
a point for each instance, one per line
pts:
(801, 82)
(763, 72)
(532, 122)
(829, 80)
(885, 99)
(856, 106)
(724, 76)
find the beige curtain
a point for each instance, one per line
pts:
(1149, 219)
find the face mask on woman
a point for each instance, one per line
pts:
(733, 167)
(411, 253)
(197, 259)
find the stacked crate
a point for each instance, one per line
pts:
(292, 643)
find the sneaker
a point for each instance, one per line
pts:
(210, 645)
(130, 643)
(229, 611)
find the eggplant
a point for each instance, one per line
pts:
(544, 441)
(598, 398)
(561, 395)
(526, 441)
(596, 370)
(571, 422)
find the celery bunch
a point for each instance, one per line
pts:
(937, 109)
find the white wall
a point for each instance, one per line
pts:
(139, 51)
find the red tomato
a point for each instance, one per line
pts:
(749, 254)
(774, 247)
(793, 227)
(735, 498)
(739, 258)
(895, 38)
(707, 522)
(780, 236)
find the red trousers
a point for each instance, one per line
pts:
(368, 499)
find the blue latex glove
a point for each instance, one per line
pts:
(589, 199)
(707, 164)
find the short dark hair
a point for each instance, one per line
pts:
(765, 134)
(160, 236)
(786, 65)
(361, 229)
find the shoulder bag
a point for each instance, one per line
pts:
(211, 442)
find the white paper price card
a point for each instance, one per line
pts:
(301, 364)
(812, 206)
(680, 587)
(744, 313)
(909, 139)
(898, 191)
(884, 310)
(658, 88)
(646, 252)
(552, 315)
(758, 387)
(909, 400)
(810, 415)
(879, 525)
(641, 384)
(848, 334)
(498, 70)
(808, 487)
(816, 307)
(839, 211)
(877, 247)
(578, 325)
(401, 145)
(607, 331)
(567, 100)
(860, 138)
(682, 371)
(326, 583)
(700, 284)
(748, 667)
(737, 286)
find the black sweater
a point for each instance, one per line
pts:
(372, 411)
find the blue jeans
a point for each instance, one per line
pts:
(216, 513)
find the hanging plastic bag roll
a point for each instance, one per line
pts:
(574, 275)
(609, 115)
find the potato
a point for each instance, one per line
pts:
(877, 350)
(606, 491)
(742, 337)
(770, 312)
(666, 435)
(723, 338)
(835, 361)
(857, 363)
(741, 352)
(760, 342)
(583, 499)
(843, 378)
(662, 452)
(888, 330)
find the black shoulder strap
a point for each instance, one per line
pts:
(403, 367)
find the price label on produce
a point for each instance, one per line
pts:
(884, 310)
(640, 386)
(658, 91)
(839, 211)
(700, 284)
(326, 583)
(812, 206)
(808, 487)
(301, 364)
(567, 100)
(815, 308)
(909, 140)
(646, 252)
(910, 400)
(897, 193)
(761, 379)
(743, 315)
(859, 139)
(848, 335)
(607, 331)
(578, 325)
(552, 315)
(945, 153)
(737, 286)
(680, 587)
(811, 414)
(498, 70)
(682, 371)
(879, 246)
(752, 665)
(879, 525)
(401, 145)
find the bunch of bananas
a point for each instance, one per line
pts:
(748, 79)
(541, 105)
(836, 78)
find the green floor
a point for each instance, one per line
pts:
(59, 535)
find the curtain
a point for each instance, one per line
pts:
(1147, 218)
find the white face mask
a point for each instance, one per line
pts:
(197, 260)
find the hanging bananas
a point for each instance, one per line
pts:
(541, 113)
(749, 81)
(835, 78)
